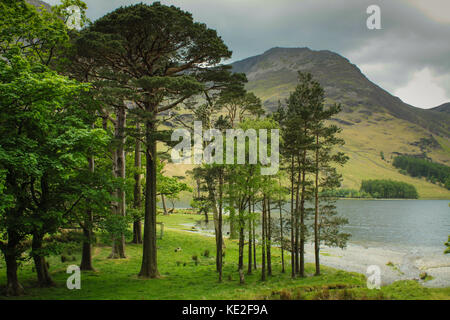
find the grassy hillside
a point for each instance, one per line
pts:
(366, 140)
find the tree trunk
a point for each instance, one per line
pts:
(293, 271)
(250, 240)
(137, 196)
(302, 220)
(118, 246)
(297, 233)
(263, 244)
(163, 200)
(281, 239)
(149, 268)
(254, 241)
(137, 232)
(217, 216)
(13, 287)
(269, 239)
(316, 213)
(220, 236)
(241, 239)
(233, 231)
(86, 253)
(43, 276)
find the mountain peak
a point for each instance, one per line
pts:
(273, 76)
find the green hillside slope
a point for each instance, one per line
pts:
(373, 120)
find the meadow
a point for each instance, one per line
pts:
(188, 274)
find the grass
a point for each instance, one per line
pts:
(181, 278)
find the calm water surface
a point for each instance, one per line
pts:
(397, 222)
(392, 223)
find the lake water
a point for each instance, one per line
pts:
(393, 223)
(411, 223)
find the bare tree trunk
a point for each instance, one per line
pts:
(269, 239)
(86, 253)
(118, 247)
(297, 233)
(263, 244)
(293, 271)
(220, 236)
(302, 220)
(281, 239)
(163, 200)
(137, 197)
(241, 240)
(316, 213)
(217, 222)
(43, 276)
(254, 241)
(149, 268)
(233, 231)
(13, 287)
(250, 240)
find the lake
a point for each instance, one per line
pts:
(411, 223)
(392, 223)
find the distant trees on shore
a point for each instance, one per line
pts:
(421, 168)
(389, 189)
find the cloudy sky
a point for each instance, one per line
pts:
(409, 56)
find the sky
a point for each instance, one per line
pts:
(409, 56)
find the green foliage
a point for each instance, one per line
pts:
(169, 186)
(389, 189)
(417, 167)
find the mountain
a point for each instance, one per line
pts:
(38, 4)
(273, 74)
(376, 125)
(445, 108)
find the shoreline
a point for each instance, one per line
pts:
(400, 263)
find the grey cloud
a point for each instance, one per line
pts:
(409, 41)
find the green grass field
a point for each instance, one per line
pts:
(181, 278)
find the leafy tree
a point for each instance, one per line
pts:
(169, 186)
(238, 104)
(326, 223)
(296, 122)
(40, 142)
(164, 57)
